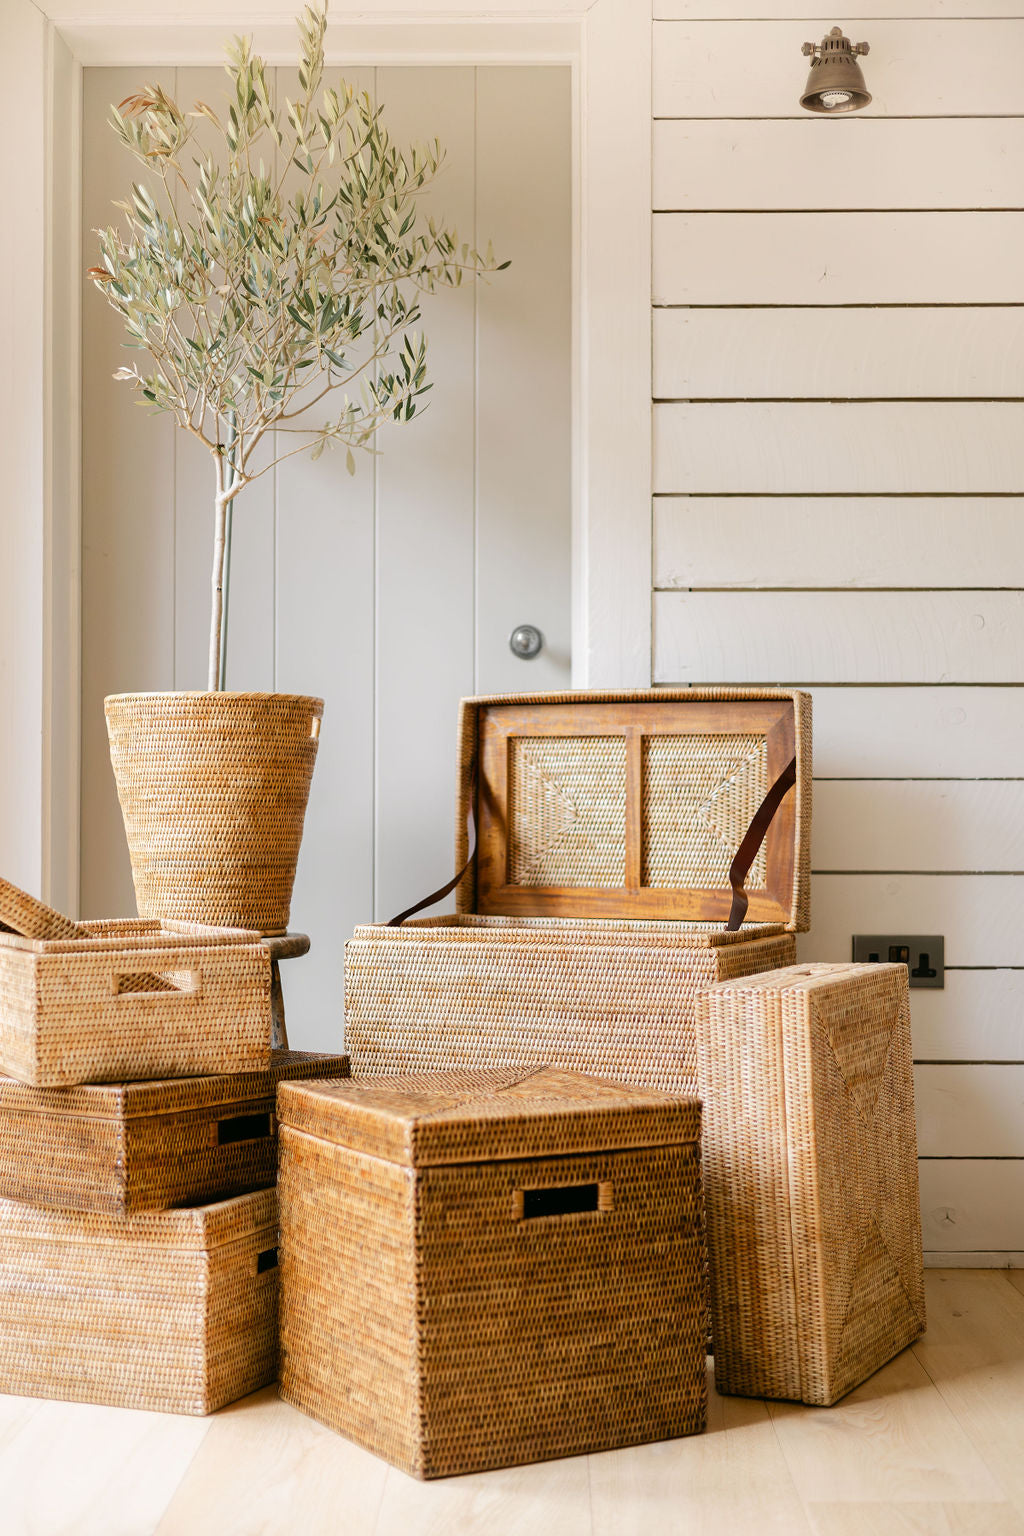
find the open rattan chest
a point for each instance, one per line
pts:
(594, 911)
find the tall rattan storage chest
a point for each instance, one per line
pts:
(594, 911)
(480, 1269)
(810, 1160)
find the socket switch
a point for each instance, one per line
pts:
(922, 953)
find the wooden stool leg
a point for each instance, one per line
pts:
(278, 1028)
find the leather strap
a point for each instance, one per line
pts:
(754, 836)
(446, 890)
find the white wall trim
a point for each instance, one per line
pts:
(608, 43)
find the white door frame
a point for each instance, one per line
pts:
(46, 44)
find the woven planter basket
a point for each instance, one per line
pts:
(213, 790)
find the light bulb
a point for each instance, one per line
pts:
(833, 99)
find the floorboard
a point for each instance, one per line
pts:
(932, 1445)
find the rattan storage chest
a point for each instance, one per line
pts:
(810, 1163)
(594, 911)
(134, 999)
(122, 1147)
(481, 1269)
(172, 1310)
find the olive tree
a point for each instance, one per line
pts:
(283, 267)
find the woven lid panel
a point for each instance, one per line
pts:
(487, 1115)
(700, 795)
(199, 1227)
(165, 1096)
(567, 810)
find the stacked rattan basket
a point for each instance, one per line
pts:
(138, 1155)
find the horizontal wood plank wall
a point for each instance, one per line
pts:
(391, 593)
(838, 380)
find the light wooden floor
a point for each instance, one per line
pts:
(933, 1445)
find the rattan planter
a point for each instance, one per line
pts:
(481, 1269)
(174, 1310)
(128, 1147)
(594, 914)
(810, 1166)
(213, 790)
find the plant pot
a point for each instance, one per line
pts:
(213, 790)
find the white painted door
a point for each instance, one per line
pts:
(392, 593)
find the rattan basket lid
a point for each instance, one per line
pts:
(486, 1116)
(166, 1096)
(633, 805)
(196, 1227)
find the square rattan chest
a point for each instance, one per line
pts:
(481, 1269)
(810, 1161)
(594, 911)
(123, 1147)
(170, 1310)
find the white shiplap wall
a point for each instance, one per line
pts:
(839, 497)
(391, 593)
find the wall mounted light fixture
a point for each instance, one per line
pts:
(835, 83)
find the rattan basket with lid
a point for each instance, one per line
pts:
(594, 912)
(168, 1310)
(487, 1268)
(147, 1146)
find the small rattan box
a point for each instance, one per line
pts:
(594, 911)
(481, 1269)
(810, 1167)
(174, 1311)
(123, 1147)
(133, 999)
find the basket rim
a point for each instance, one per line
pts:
(212, 693)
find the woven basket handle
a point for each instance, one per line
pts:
(31, 919)
(446, 890)
(754, 836)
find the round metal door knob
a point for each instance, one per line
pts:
(526, 642)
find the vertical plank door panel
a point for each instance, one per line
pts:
(424, 519)
(524, 319)
(127, 512)
(323, 629)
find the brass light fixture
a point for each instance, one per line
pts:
(835, 83)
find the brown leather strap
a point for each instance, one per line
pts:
(446, 890)
(755, 835)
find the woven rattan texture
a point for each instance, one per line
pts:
(71, 1011)
(173, 1312)
(567, 810)
(664, 845)
(608, 1000)
(814, 1227)
(21, 913)
(699, 795)
(147, 1146)
(426, 1318)
(213, 790)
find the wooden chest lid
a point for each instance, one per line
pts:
(633, 805)
(168, 1096)
(487, 1116)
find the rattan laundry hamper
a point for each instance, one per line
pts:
(133, 999)
(480, 1269)
(171, 1310)
(123, 1147)
(810, 1161)
(594, 912)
